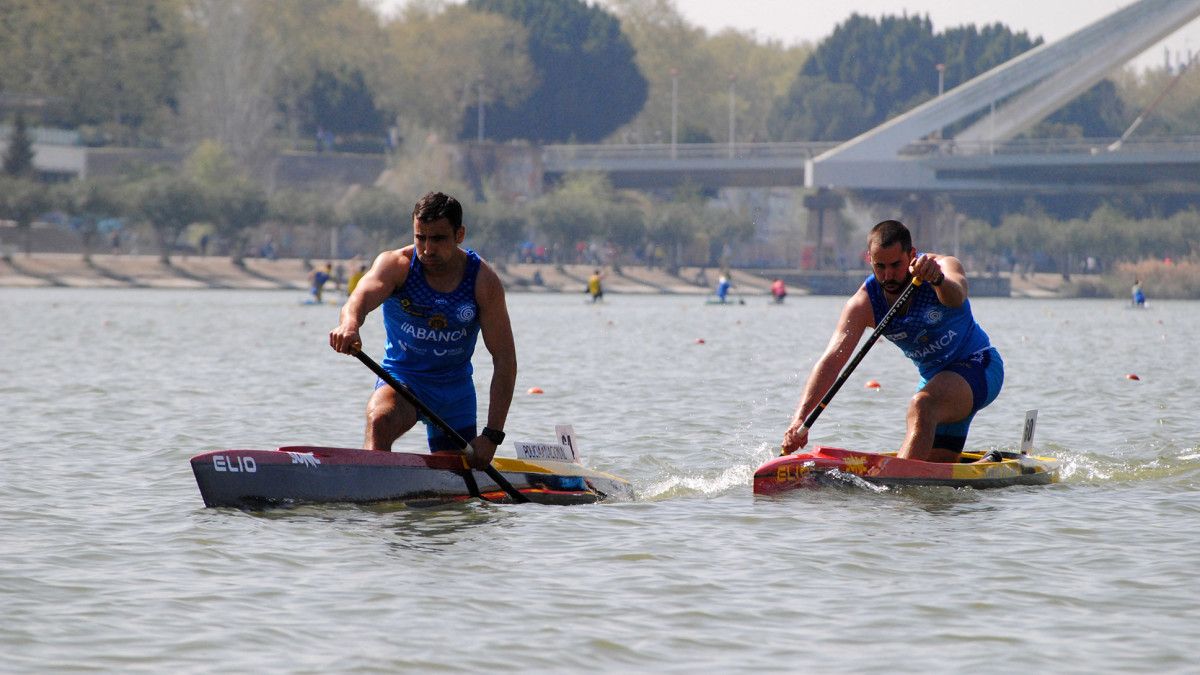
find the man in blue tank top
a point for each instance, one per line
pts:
(437, 299)
(961, 372)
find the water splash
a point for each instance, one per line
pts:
(707, 484)
(738, 475)
(1090, 467)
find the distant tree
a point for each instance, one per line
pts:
(624, 227)
(1171, 100)
(1097, 113)
(236, 203)
(21, 201)
(817, 109)
(169, 203)
(589, 83)
(383, 214)
(572, 213)
(345, 105)
(226, 97)
(328, 50)
(18, 157)
(305, 209)
(435, 66)
(238, 207)
(673, 225)
(691, 133)
(724, 228)
(495, 228)
(109, 65)
(91, 200)
(890, 62)
(706, 68)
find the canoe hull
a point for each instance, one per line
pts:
(254, 479)
(825, 465)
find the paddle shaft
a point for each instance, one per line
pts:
(437, 421)
(845, 374)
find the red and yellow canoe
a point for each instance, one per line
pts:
(825, 465)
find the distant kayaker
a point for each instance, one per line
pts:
(961, 372)
(437, 299)
(356, 276)
(317, 280)
(723, 285)
(1139, 297)
(778, 290)
(594, 287)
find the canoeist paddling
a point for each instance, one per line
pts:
(437, 299)
(930, 320)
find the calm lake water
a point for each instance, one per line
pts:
(109, 560)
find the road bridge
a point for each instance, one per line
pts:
(899, 155)
(708, 165)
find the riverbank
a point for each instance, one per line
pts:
(69, 270)
(63, 270)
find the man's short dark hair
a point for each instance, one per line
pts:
(891, 232)
(435, 205)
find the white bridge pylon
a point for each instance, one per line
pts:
(1023, 91)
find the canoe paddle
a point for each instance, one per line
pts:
(845, 374)
(463, 444)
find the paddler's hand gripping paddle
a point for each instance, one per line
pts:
(463, 444)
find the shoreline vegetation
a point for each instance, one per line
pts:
(70, 270)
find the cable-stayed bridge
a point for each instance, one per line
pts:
(908, 152)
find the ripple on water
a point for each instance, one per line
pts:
(110, 561)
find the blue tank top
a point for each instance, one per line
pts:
(432, 333)
(930, 333)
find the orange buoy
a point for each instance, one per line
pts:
(873, 384)
(536, 390)
(1132, 376)
(699, 341)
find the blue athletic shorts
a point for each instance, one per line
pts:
(984, 372)
(453, 401)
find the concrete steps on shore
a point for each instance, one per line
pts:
(69, 270)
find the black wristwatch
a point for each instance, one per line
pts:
(494, 435)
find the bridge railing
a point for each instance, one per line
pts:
(565, 154)
(1054, 146)
(554, 154)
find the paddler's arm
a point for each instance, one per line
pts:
(855, 319)
(946, 274)
(386, 275)
(496, 328)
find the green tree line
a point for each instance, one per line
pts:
(213, 198)
(233, 79)
(1101, 243)
(161, 71)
